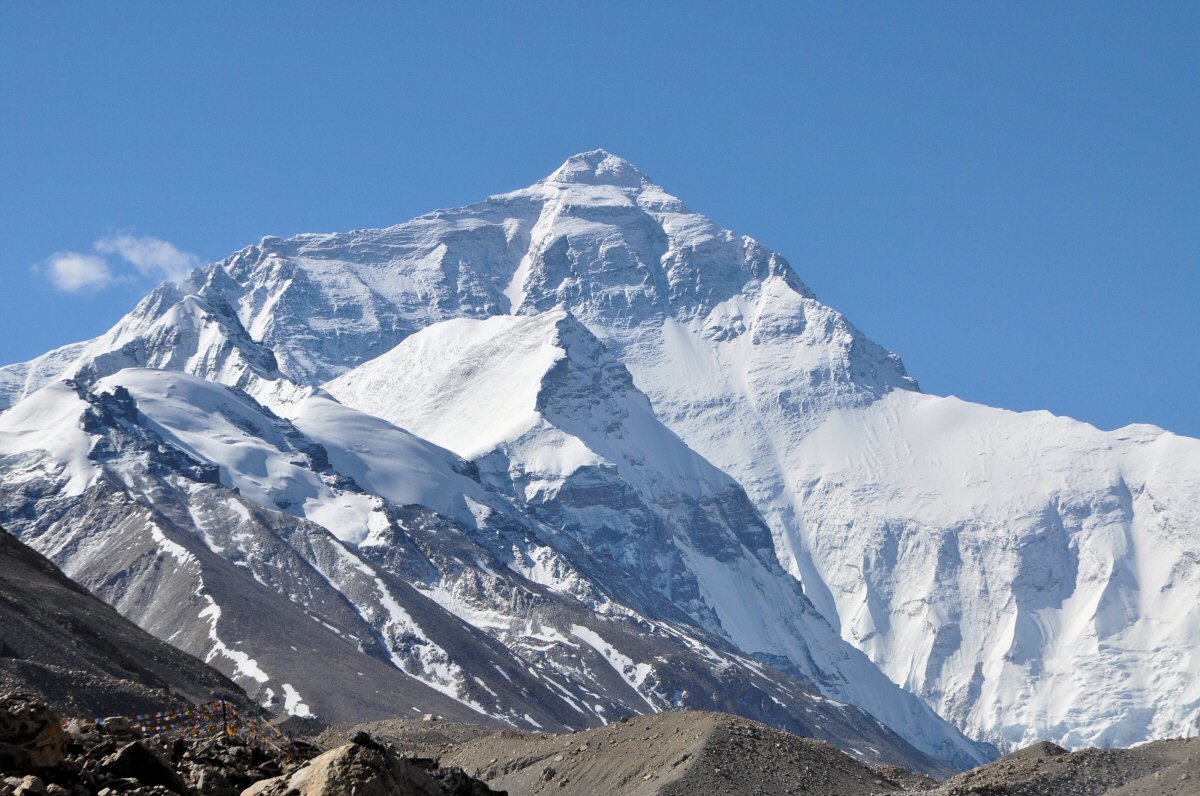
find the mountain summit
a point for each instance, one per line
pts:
(576, 452)
(598, 167)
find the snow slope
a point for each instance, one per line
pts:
(1033, 575)
(549, 415)
(387, 461)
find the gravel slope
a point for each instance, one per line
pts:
(711, 754)
(683, 753)
(63, 645)
(1160, 768)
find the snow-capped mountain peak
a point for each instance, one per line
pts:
(597, 167)
(665, 428)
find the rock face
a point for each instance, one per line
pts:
(62, 645)
(135, 761)
(354, 768)
(918, 530)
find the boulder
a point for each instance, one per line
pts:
(116, 725)
(30, 786)
(210, 781)
(135, 761)
(31, 734)
(362, 767)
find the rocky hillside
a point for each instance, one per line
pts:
(1161, 768)
(670, 754)
(42, 756)
(61, 644)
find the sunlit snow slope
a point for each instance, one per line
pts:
(562, 428)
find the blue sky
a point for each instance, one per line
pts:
(1006, 194)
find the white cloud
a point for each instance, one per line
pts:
(74, 272)
(152, 257)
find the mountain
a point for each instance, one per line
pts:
(564, 431)
(636, 393)
(290, 553)
(60, 643)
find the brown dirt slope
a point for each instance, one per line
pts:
(706, 754)
(666, 754)
(61, 644)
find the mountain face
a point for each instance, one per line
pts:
(576, 451)
(337, 565)
(63, 645)
(565, 432)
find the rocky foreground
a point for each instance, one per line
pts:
(666, 754)
(41, 755)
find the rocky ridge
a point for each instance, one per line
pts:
(670, 753)
(1160, 768)
(676, 754)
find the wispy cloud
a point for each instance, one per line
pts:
(151, 258)
(74, 273)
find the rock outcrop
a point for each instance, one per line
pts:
(38, 756)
